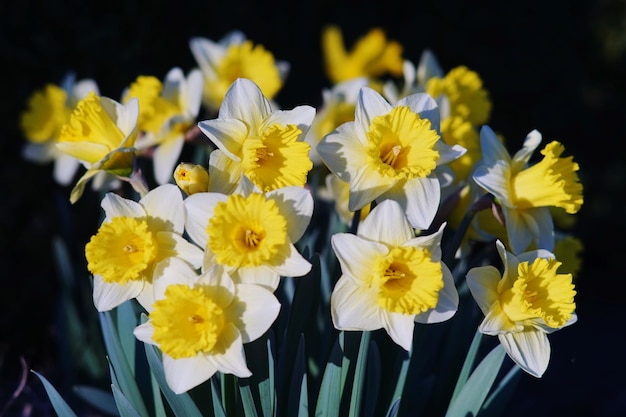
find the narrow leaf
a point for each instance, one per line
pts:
(358, 381)
(124, 406)
(329, 397)
(58, 403)
(98, 398)
(467, 365)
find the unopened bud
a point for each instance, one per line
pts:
(191, 178)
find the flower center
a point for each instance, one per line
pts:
(277, 159)
(551, 182)
(187, 321)
(401, 144)
(540, 292)
(46, 115)
(248, 231)
(122, 250)
(408, 281)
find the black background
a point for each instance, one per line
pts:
(556, 66)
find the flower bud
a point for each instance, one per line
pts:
(191, 178)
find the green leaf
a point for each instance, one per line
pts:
(126, 323)
(98, 398)
(120, 367)
(124, 406)
(58, 403)
(358, 382)
(372, 380)
(467, 365)
(329, 397)
(247, 401)
(181, 404)
(218, 409)
(497, 400)
(473, 394)
(298, 376)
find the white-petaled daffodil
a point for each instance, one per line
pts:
(391, 152)
(132, 239)
(266, 146)
(200, 323)
(523, 305)
(234, 57)
(252, 234)
(167, 110)
(390, 278)
(526, 193)
(101, 133)
(48, 110)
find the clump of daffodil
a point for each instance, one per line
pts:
(391, 152)
(235, 57)
(524, 304)
(372, 56)
(167, 110)
(101, 133)
(200, 323)
(48, 110)
(266, 146)
(391, 278)
(338, 106)
(132, 239)
(526, 193)
(191, 178)
(252, 234)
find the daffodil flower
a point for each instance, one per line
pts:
(266, 146)
(48, 110)
(526, 193)
(523, 305)
(101, 134)
(252, 234)
(200, 323)
(132, 239)
(391, 152)
(390, 278)
(166, 112)
(234, 57)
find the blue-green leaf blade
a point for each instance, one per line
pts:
(58, 403)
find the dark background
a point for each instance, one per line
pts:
(556, 66)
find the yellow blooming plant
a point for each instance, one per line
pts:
(315, 260)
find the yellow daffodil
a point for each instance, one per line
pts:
(252, 234)
(523, 305)
(191, 178)
(266, 146)
(101, 134)
(133, 238)
(48, 110)
(372, 56)
(200, 323)
(338, 106)
(525, 193)
(166, 112)
(391, 152)
(234, 57)
(390, 278)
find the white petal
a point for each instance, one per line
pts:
(193, 93)
(419, 197)
(353, 307)
(369, 105)
(227, 134)
(448, 153)
(482, 282)
(431, 242)
(357, 255)
(296, 206)
(232, 361)
(116, 206)
(447, 303)
(400, 328)
(492, 149)
(496, 322)
(424, 105)
(224, 173)
(245, 101)
(199, 208)
(263, 276)
(521, 157)
(165, 202)
(186, 373)
(107, 296)
(187, 251)
(65, 168)
(144, 333)
(341, 153)
(171, 271)
(206, 53)
(519, 228)
(366, 186)
(496, 180)
(294, 265)
(302, 116)
(530, 350)
(386, 223)
(172, 84)
(166, 157)
(259, 311)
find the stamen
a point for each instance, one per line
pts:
(130, 248)
(252, 239)
(391, 156)
(195, 319)
(391, 273)
(264, 154)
